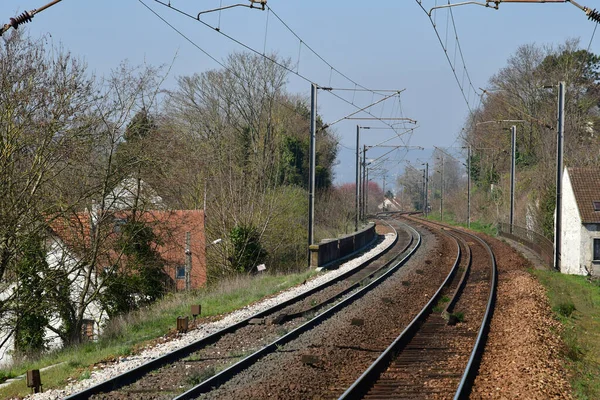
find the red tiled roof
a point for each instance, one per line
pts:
(586, 186)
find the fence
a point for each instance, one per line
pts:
(331, 250)
(528, 238)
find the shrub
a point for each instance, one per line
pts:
(565, 309)
(247, 249)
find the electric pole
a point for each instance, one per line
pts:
(311, 163)
(559, 173)
(442, 192)
(513, 141)
(357, 189)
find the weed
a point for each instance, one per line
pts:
(85, 375)
(239, 353)
(444, 299)
(565, 309)
(405, 283)
(281, 331)
(459, 316)
(197, 377)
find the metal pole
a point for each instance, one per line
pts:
(311, 165)
(383, 205)
(364, 177)
(469, 188)
(357, 178)
(559, 172)
(367, 196)
(423, 199)
(426, 189)
(513, 141)
(442, 193)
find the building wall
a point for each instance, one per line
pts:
(589, 232)
(571, 232)
(57, 257)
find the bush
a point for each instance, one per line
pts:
(565, 309)
(247, 249)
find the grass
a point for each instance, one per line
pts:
(441, 304)
(576, 304)
(123, 335)
(478, 226)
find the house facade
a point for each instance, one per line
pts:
(180, 243)
(580, 229)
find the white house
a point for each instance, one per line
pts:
(58, 257)
(580, 231)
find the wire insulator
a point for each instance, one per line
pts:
(594, 15)
(21, 19)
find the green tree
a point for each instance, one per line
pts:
(247, 250)
(31, 302)
(140, 278)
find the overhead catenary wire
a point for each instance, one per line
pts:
(458, 50)
(317, 54)
(249, 48)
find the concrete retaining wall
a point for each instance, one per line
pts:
(332, 250)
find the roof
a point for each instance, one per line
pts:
(586, 186)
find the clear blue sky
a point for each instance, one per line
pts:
(386, 44)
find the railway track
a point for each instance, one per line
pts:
(168, 376)
(323, 361)
(437, 355)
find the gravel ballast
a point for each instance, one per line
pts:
(521, 359)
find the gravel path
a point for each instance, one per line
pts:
(110, 370)
(521, 359)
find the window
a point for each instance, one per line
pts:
(181, 272)
(596, 205)
(118, 223)
(596, 249)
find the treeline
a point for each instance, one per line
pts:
(231, 141)
(526, 90)
(523, 93)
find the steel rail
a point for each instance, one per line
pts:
(472, 367)
(344, 292)
(361, 386)
(468, 377)
(225, 375)
(133, 375)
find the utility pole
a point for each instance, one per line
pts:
(513, 141)
(426, 189)
(383, 205)
(442, 192)
(311, 165)
(469, 187)
(367, 194)
(559, 173)
(423, 206)
(364, 182)
(357, 203)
